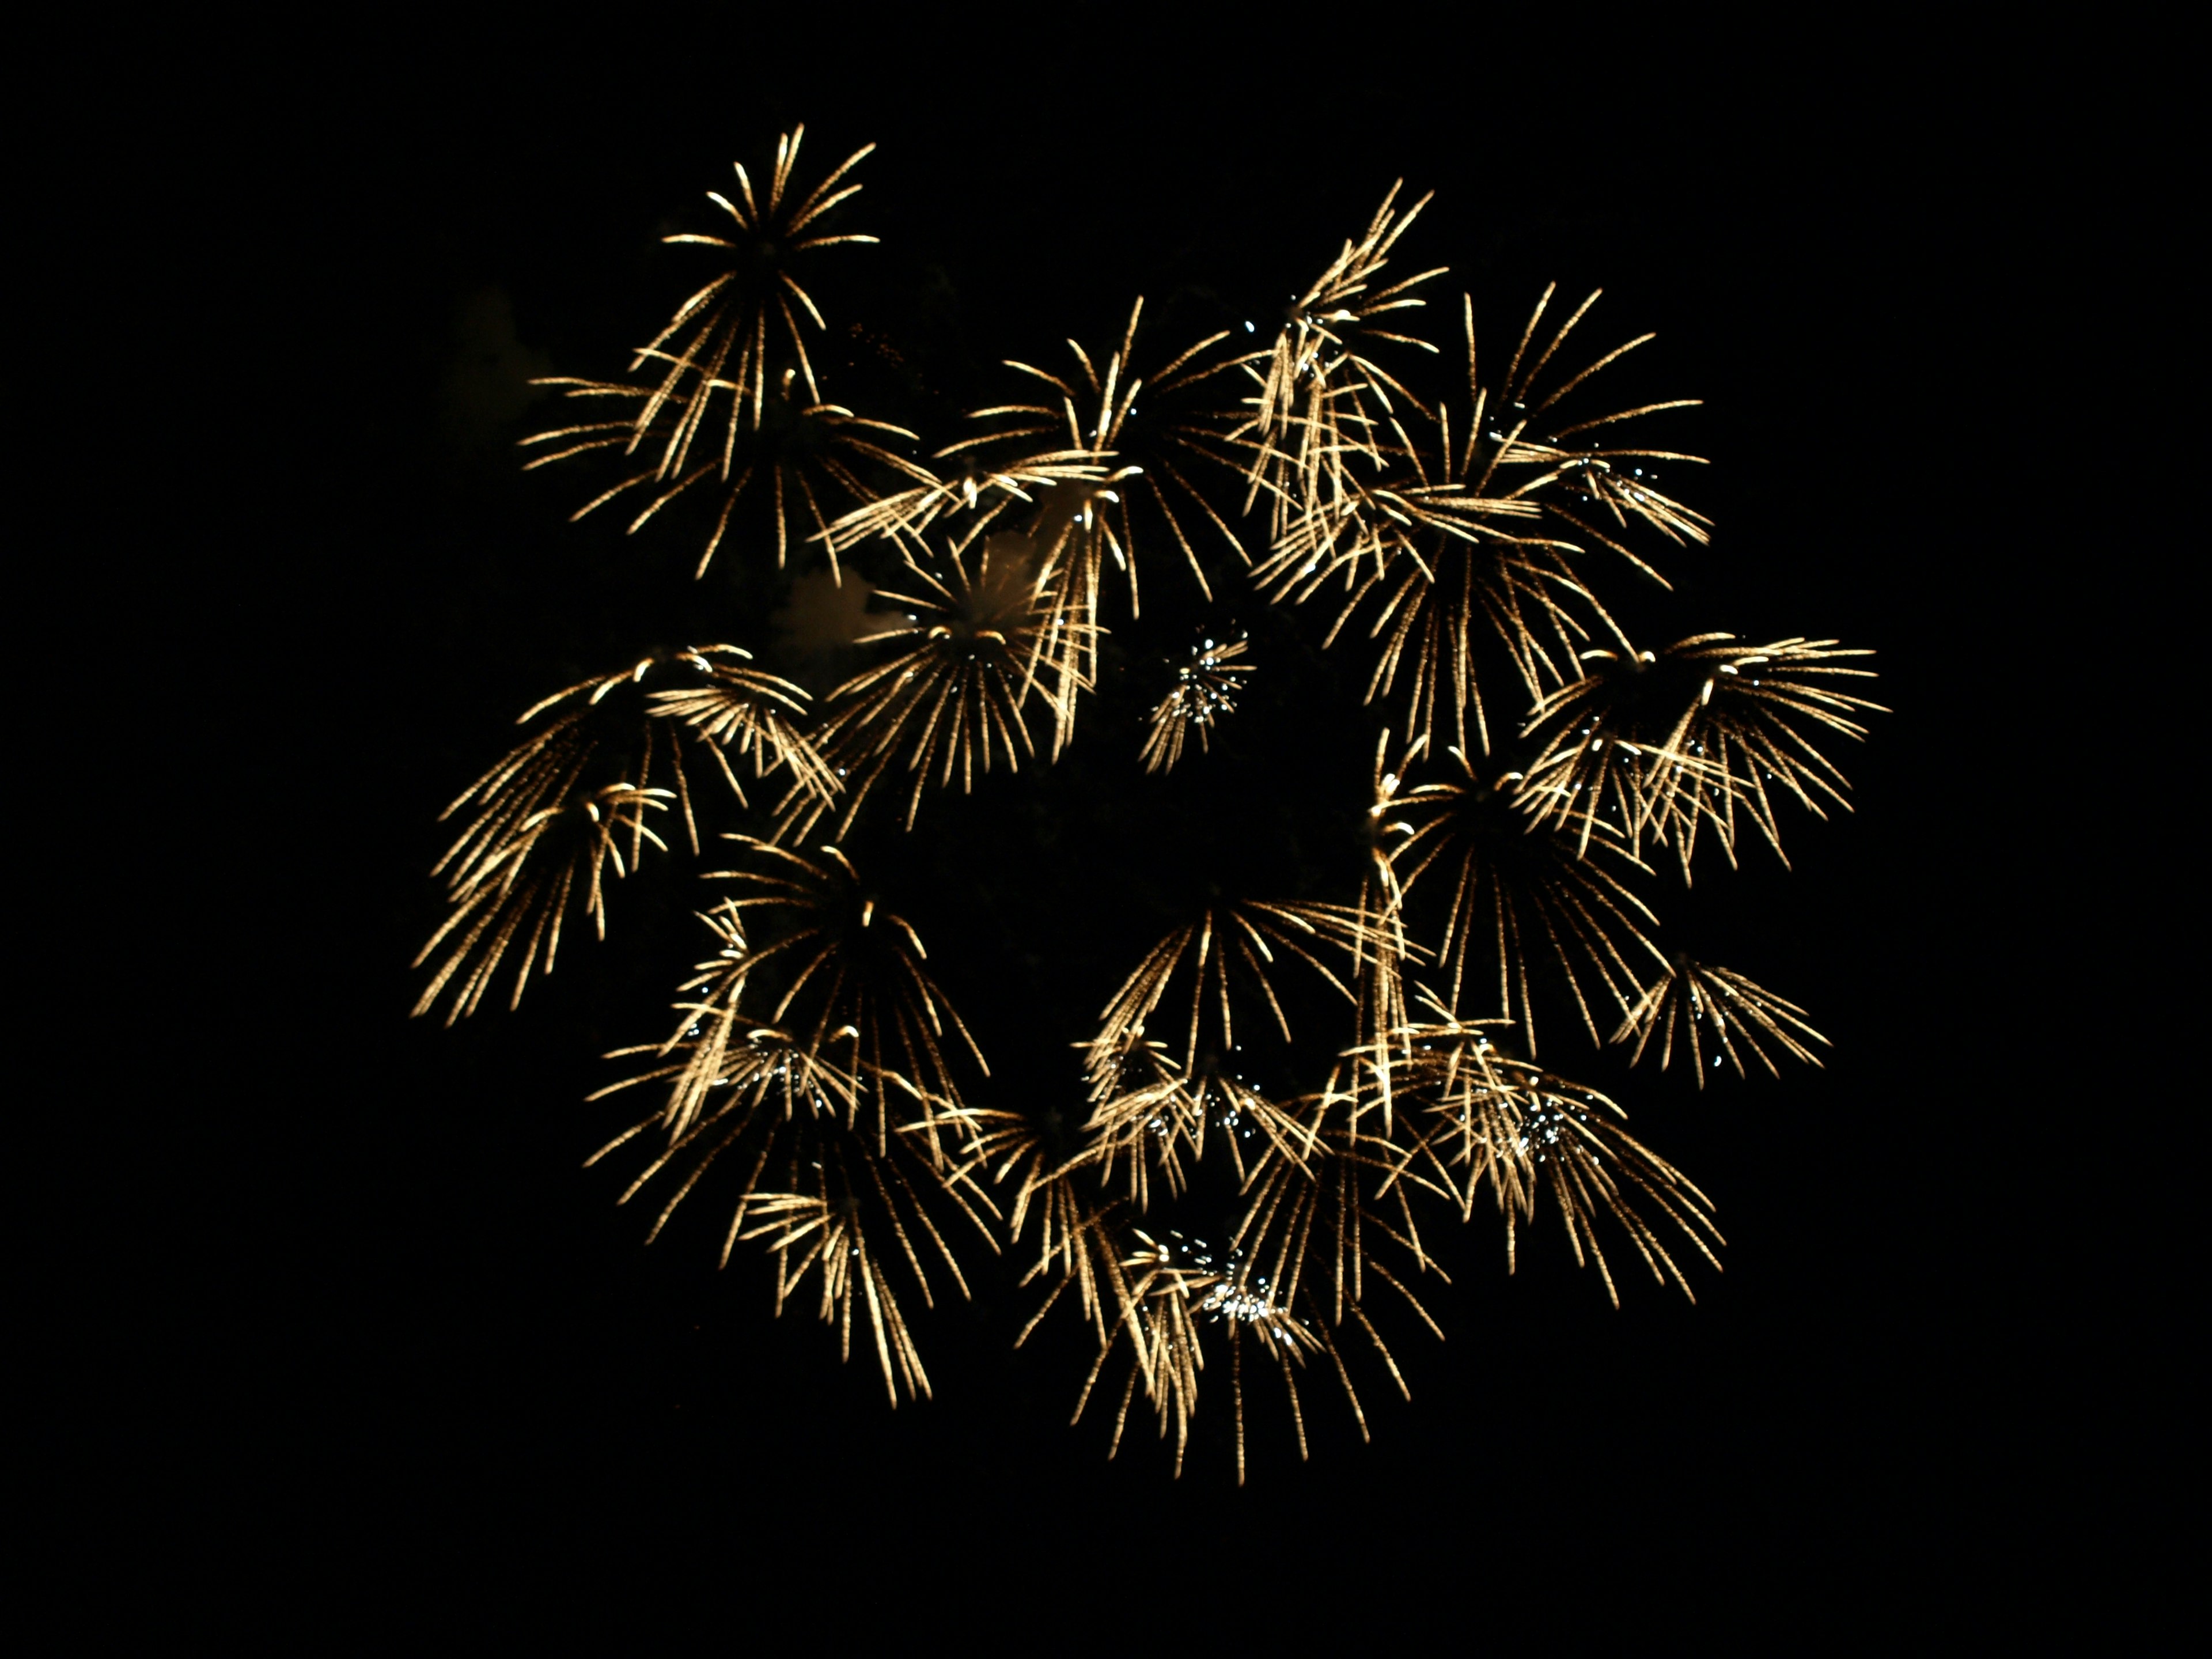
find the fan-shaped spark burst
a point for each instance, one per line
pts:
(806, 457)
(1095, 418)
(1662, 742)
(949, 697)
(1739, 1015)
(854, 985)
(828, 1086)
(1175, 1287)
(1244, 936)
(1440, 525)
(1311, 417)
(1523, 1132)
(571, 803)
(1165, 1117)
(1064, 543)
(725, 337)
(1205, 692)
(1523, 893)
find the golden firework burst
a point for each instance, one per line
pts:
(1253, 1170)
(949, 699)
(572, 805)
(1720, 1006)
(1205, 693)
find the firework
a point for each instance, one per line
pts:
(735, 355)
(949, 698)
(1523, 1132)
(1719, 1006)
(1185, 424)
(1205, 692)
(1524, 894)
(1239, 940)
(572, 805)
(1664, 741)
(814, 1061)
(1441, 523)
(798, 451)
(1174, 1288)
(853, 973)
(1448, 518)
(1311, 416)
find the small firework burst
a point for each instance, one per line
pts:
(1521, 1131)
(1659, 742)
(1312, 417)
(575, 803)
(1719, 1006)
(1205, 689)
(735, 354)
(815, 1062)
(1524, 895)
(1239, 940)
(1182, 430)
(949, 699)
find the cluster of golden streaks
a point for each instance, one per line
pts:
(797, 448)
(852, 974)
(548, 822)
(1206, 690)
(1061, 545)
(950, 698)
(1665, 742)
(905, 514)
(824, 1199)
(1095, 418)
(1739, 1011)
(755, 713)
(1318, 1206)
(815, 1059)
(1522, 891)
(1440, 525)
(1510, 430)
(1381, 997)
(1167, 1114)
(1520, 1130)
(1246, 933)
(1311, 417)
(531, 848)
(737, 311)
(1171, 1287)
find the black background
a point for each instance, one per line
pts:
(455, 1380)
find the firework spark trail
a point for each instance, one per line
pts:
(739, 345)
(1523, 893)
(1669, 741)
(1523, 1132)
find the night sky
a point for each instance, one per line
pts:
(479, 1383)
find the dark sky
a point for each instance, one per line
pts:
(482, 1373)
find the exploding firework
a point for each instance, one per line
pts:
(571, 805)
(1719, 1006)
(734, 356)
(809, 1053)
(1293, 1080)
(950, 698)
(1659, 742)
(1205, 693)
